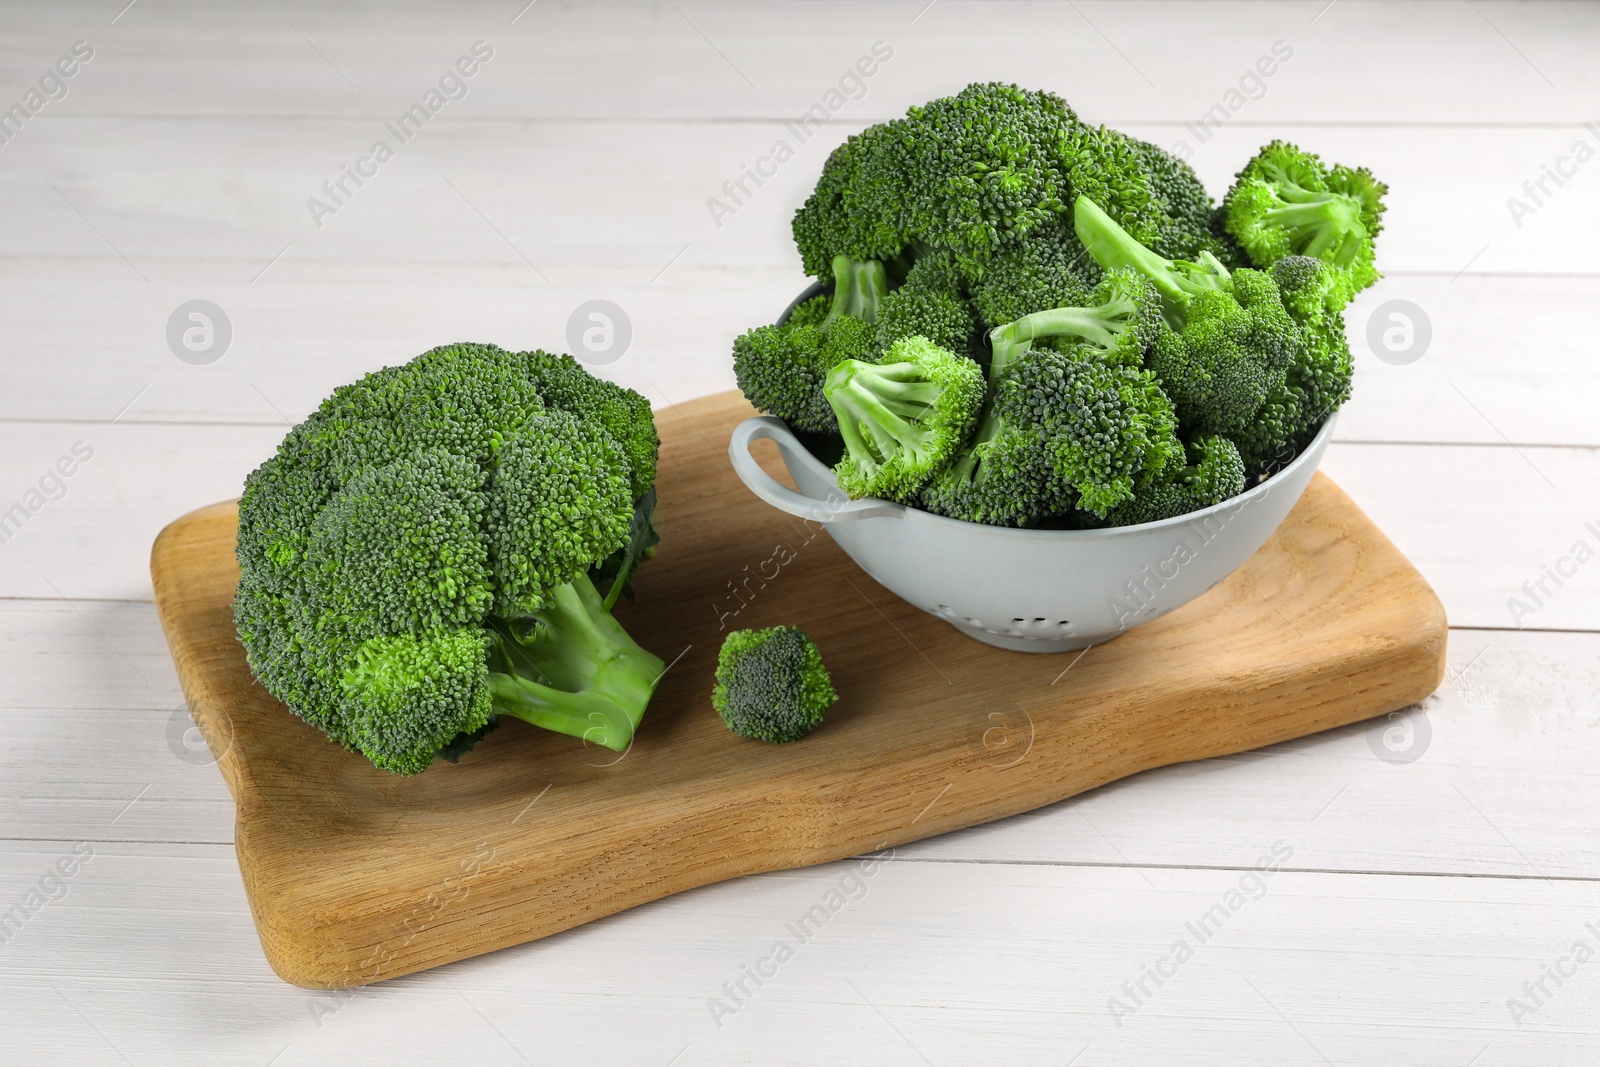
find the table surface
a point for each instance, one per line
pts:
(1435, 896)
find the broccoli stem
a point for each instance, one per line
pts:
(858, 286)
(571, 667)
(880, 405)
(1113, 247)
(1323, 223)
(1097, 325)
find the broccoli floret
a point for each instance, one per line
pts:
(831, 223)
(1105, 428)
(1185, 227)
(1286, 202)
(1320, 368)
(902, 419)
(1232, 340)
(1176, 280)
(1232, 354)
(781, 368)
(1004, 478)
(968, 174)
(931, 304)
(1061, 430)
(416, 559)
(1215, 473)
(1120, 321)
(1050, 269)
(771, 684)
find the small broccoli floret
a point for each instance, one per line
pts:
(771, 684)
(931, 304)
(1105, 428)
(1120, 321)
(1319, 372)
(1184, 229)
(1215, 473)
(1231, 342)
(415, 560)
(902, 419)
(1176, 280)
(1050, 269)
(1286, 202)
(781, 369)
(1004, 478)
(1231, 355)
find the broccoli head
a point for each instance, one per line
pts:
(1286, 202)
(1215, 473)
(771, 684)
(1106, 428)
(930, 303)
(1120, 321)
(1318, 377)
(1049, 270)
(902, 419)
(781, 368)
(417, 557)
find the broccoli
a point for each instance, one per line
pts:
(416, 559)
(1232, 340)
(1215, 473)
(1318, 378)
(1004, 478)
(1119, 321)
(902, 419)
(1285, 202)
(771, 684)
(1186, 227)
(1106, 428)
(929, 303)
(966, 173)
(781, 368)
(1112, 246)
(1049, 270)
(1062, 430)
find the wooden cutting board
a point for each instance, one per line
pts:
(355, 875)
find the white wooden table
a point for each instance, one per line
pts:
(1431, 886)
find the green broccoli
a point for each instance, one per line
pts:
(771, 684)
(1120, 321)
(1106, 428)
(930, 303)
(1231, 342)
(902, 419)
(781, 368)
(1318, 379)
(1003, 478)
(417, 557)
(1285, 202)
(1186, 227)
(1050, 269)
(1061, 430)
(1215, 473)
(1112, 246)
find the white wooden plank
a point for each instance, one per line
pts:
(556, 195)
(1115, 61)
(935, 963)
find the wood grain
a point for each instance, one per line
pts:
(355, 875)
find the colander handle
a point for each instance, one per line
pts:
(836, 507)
